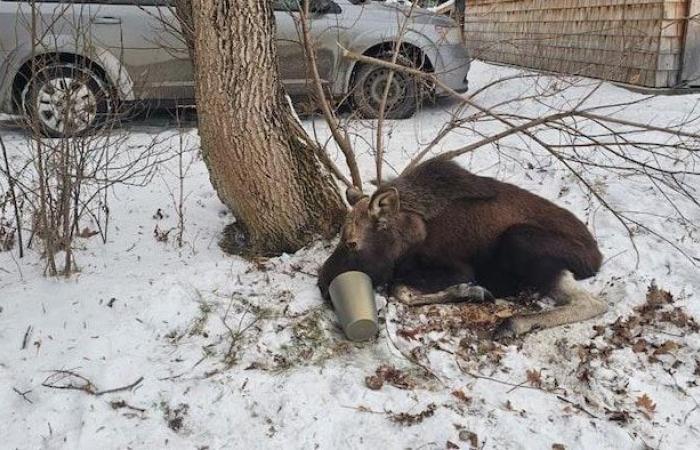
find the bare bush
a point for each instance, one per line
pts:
(60, 186)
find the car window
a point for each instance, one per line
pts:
(105, 2)
(286, 5)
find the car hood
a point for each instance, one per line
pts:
(387, 12)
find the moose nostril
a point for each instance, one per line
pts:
(352, 245)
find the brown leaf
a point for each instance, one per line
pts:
(391, 375)
(471, 437)
(409, 334)
(640, 346)
(679, 318)
(647, 405)
(666, 348)
(558, 447)
(451, 445)
(396, 377)
(461, 396)
(534, 377)
(656, 296)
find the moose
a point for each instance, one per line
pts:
(439, 233)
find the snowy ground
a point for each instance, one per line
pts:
(239, 354)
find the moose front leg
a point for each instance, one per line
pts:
(463, 292)
(419, 282)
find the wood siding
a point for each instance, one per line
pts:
(691, 59)
(639, 42)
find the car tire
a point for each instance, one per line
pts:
(368, 89)
(66, 100)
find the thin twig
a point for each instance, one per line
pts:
(25, 340)
(23, 394)
(577, 406)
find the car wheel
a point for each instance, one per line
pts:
(64, 100)
(368, 90)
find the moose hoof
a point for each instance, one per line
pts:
(470, 293)
(404, 294)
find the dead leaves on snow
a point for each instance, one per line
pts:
(638, 332)
(644, 333)
(390, 375)
(643, 403)
(407, 419)
(454, 318)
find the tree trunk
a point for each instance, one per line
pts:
(260, 160)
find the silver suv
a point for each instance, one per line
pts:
(92, 55)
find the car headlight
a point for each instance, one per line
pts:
(448, 34)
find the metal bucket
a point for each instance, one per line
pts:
(353, 299)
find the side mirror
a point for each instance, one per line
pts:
(323, 7)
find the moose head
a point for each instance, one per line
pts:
(377, 226)
(376, 234)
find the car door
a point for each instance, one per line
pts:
(145, 36)
(290, 50)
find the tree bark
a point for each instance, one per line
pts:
(261, 162)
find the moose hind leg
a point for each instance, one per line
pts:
(574, 304)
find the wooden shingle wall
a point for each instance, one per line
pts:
(632, 41)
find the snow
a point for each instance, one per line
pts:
(241, 354)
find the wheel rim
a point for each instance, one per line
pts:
(375, 84)
(66, 105)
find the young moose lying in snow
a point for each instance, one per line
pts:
(439, 233)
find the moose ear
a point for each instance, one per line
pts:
(384, 204)
(353, 195)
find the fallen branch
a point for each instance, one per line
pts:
(496, 380)
(119, 389)
(122, 404)
(83, 384)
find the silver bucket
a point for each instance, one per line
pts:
(353, 299)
